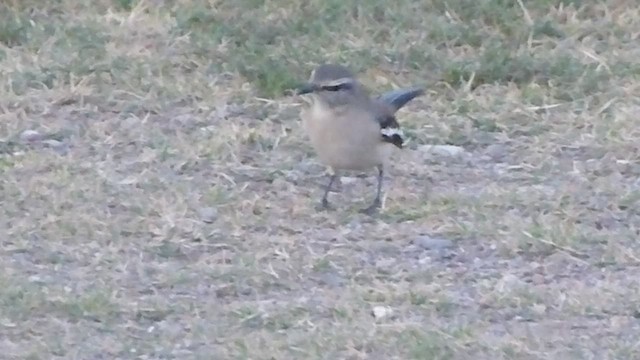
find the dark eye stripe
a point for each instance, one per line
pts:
(338, 87)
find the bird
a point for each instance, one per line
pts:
(348, 129)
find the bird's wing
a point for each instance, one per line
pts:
(386, 105)
(389, 127)
(398, 98)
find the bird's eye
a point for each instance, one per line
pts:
(338, 87)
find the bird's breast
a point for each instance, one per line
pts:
(344, 138)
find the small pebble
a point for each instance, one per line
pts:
(381, 312)
(30, 136)
(539, 309)
(57, 146)
(443, 150)
(208, 214)
(496, 152)
(433, 243)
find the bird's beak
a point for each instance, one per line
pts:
(306, 88)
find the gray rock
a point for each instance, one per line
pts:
(443, 150)
(28, 136)
(381, 312)
(208, 214)
(432, 243)
(58, 146)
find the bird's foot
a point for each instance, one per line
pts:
(324, 206)
(373, 209)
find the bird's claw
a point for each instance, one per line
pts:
(324, 206)
(373, 209)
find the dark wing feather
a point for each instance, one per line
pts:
(396, 99)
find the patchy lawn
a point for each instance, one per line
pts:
(158, 191)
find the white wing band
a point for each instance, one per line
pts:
(391, 131)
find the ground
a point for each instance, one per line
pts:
(158, 191)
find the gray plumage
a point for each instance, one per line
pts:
(348, 129)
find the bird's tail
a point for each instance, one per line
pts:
(400, 97)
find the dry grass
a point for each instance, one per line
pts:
(167, 212)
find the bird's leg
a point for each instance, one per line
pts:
(377, 202)
(325, 198)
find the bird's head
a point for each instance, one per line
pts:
(331, 84)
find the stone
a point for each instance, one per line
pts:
(28, 136)
(381, 312)
(433, 243)
(443, 150)
(57, 146)
(208, 214)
